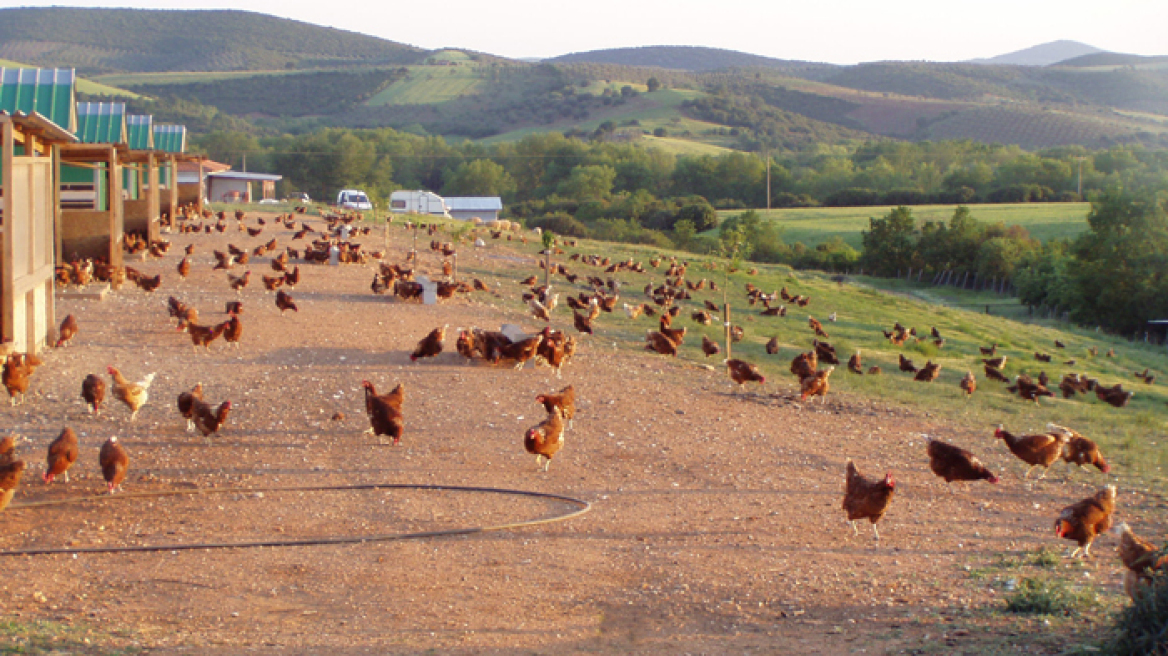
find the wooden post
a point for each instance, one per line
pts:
(454, 268)
(726, 327)
(547, 267)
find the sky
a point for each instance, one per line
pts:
(836, 31)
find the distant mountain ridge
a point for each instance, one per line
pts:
(681, 58)
(1043, 54)
(98, 41)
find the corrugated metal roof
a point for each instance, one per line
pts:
(170, 138)
(140, 131)
(473, 203)
(45, 91)
(101, 123)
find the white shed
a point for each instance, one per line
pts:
(465, 208)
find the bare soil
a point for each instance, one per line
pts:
(715, 524)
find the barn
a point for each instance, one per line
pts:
(140, 207)
(170, 144)
(37, 115)
(465, 208)
(236, 186)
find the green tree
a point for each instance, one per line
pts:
(890, 243)
(482, 177)
(653, 84)
(589, 182)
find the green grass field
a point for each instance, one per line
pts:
(1129, 436)
(813, 226)
(430, 85)
(181, 77)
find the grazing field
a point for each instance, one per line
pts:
(816, 225)
(715, 524)
(430, 85)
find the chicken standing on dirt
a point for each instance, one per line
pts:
(1139, 558)
(62, 454)
(209, 419)
(233, 330)
(10, 474)
(564, 399)
(15, 378)
(93, 391)
(953, 463)
(742, 372)
(546, 439)
(430, 346)
(866, 499)
(114, 463)
(186, 404)
(816, 385)
(1086, 520)
(522, 351)
(1040, 450)
(385, 412)
(134, 395)
(1080, 450)
(67, 331)
(658, 343)
(284, 302)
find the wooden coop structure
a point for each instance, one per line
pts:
(141, 207)
(37, 116)
(170, 145)
(92, 222)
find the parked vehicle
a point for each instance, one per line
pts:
(353, 199)
(418, 202)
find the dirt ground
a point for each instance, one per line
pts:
(715, 524)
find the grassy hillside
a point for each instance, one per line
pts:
(95, 41)
(816, 225)
(1129, 436)
(685, 58)
(427, 85)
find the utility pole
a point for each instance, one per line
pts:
(1080, 158)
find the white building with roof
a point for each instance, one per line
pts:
(465, 208)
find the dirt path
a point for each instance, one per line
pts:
(715, 524)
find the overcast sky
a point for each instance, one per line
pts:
(836, 31)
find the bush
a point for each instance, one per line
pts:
(854, 197)
(561, 224)
(1143, 627)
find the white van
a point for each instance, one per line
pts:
(353, 199)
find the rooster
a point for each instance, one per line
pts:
(134, 395)
(62, 454)
(867, 499)
(114, 463)
(430, 346)
(1086, 520)
(385, 411)
(546, 439)
(742, 372)
(564, 399)
(953, 463)
(1040, 450)
(93, 391)
(186, 404)
(68, 330)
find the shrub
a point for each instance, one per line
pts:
(561, 224)
(1143, 627)
(854, 197)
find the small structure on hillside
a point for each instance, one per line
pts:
(37, 115)
(465, 208)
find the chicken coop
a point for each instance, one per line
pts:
(466, 208)
(170, 145)
(141, 209)
(236, 186)
(37, 116)
(92, 223)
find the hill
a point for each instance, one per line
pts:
(1042, 55)
(683, 58)
(95, 41)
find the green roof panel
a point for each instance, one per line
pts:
(170, 138)
(101, 123)
(140, 131)
(45, 91)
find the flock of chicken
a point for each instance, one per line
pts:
(864, 498)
